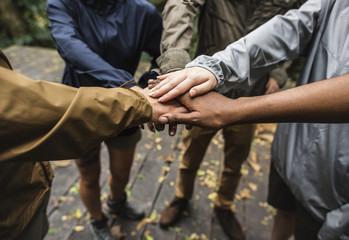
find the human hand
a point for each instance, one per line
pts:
(159, 109)
(272, 86)
(196, 80)
(211, 110)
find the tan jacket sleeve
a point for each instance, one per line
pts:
(178, 23)
(47, 121)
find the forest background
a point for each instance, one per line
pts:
(25, 22)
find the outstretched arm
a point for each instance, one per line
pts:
(42, 121)
(326, 101)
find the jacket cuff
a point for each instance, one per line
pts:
(173, 60)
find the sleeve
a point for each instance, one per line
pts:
(72, 48)
(178, 23)
(336, 225)
(283, 38)
(47, 121)
(152, 46)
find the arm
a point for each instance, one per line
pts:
(178, 23)
(326, 101)
(73, 49)
(281, 39)
(46, 121)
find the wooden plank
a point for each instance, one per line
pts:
(145, 190)
(72, 211)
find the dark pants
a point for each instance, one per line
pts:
(281, 197)
(38, 226)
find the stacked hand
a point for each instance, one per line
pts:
(159, 109)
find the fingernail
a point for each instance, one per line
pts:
(192, 92)
(163, 120)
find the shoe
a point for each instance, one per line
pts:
(229, 223)
(100, 229)
(173, 212)
(125, 209)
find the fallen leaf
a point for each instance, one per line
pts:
(143, 222)
(115, 231)
(162, 179)
(253, 186)
(79, 228)
(245, 194)
(255, 166)
(253, 156)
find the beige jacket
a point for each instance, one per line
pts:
(42, 121)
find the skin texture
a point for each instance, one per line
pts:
(326, 101)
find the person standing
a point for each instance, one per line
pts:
(220, 23)
(310, 161)
(101, 42)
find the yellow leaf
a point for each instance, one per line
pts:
(245, 194)
(142, 222)
(78, 213)
(212, 196)
(253, 186)
(158, 139)
(162, 179)
(172, 183)
(158, 146)
(79, 228)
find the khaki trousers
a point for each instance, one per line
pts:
(237, 146)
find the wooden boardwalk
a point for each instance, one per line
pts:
(153, 178)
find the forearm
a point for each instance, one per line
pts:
(324, 101)
(178, 24)
(46, 121)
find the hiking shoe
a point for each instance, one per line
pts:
(125, 209)
(229, 223)
(100, 229)
(173, 212)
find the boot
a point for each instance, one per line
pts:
(173, 212)
(125, 209)
(229, 223)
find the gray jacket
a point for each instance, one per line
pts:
(313, 159)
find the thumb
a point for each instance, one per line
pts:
(178, 118)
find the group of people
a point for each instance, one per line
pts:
(230, 85)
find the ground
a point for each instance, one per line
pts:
(153, 177)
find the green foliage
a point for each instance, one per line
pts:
(34, 13)
(35, 25)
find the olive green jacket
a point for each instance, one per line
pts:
(221, 22)
(42, 121)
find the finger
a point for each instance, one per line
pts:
(188, 127)
(159, 127)
(172, 129)
(202, 88)
(166, 86)
(179, 118)
(151, 126)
